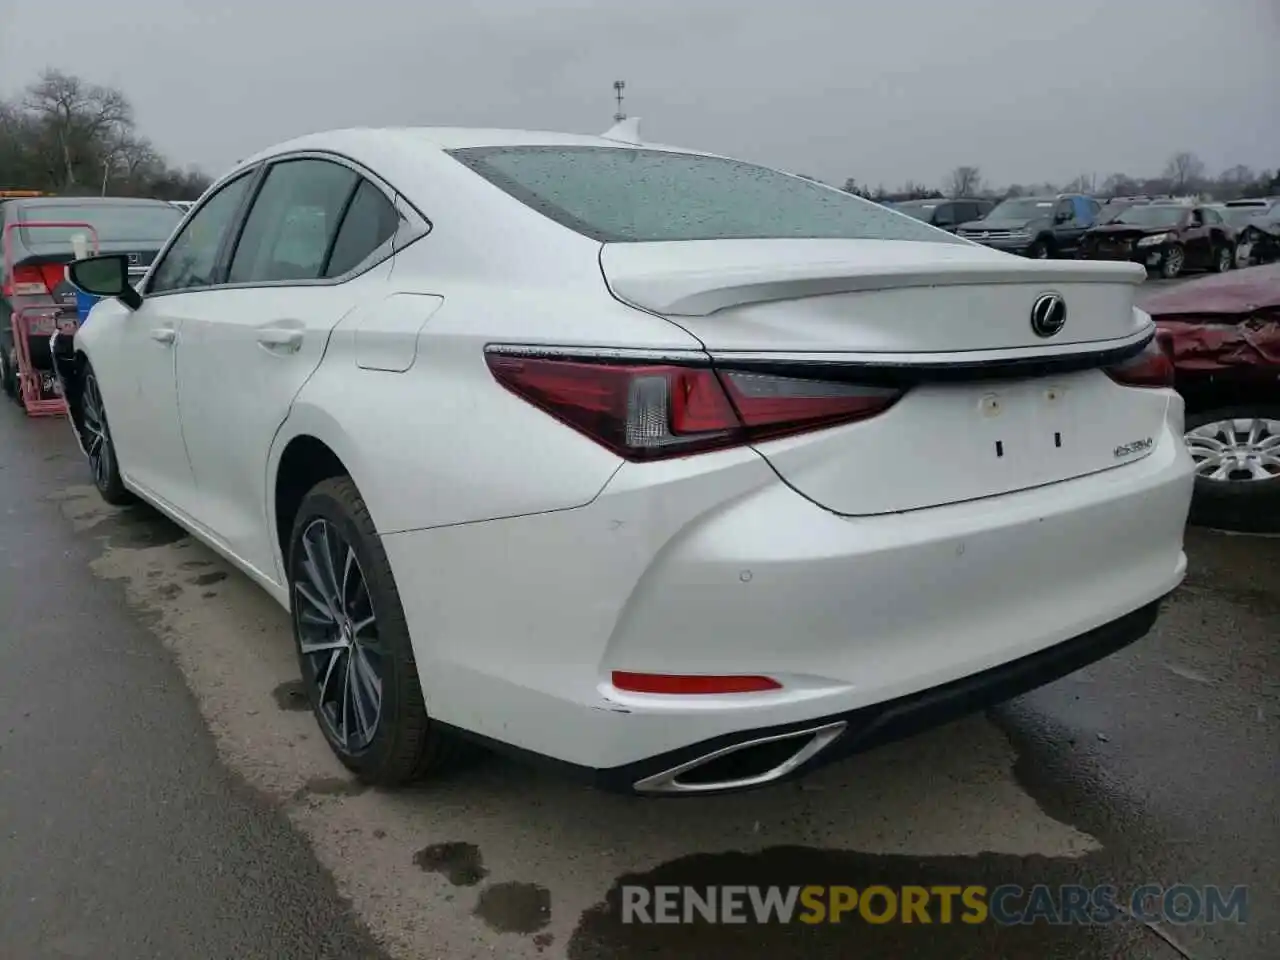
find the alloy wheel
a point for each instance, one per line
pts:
(337, 632)
(98, 441)
(1173, 262)
(1241, 449)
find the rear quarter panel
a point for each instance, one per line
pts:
(442, 442)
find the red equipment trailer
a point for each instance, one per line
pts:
(34, 326)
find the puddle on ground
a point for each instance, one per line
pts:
(459, 863)
(515, 907)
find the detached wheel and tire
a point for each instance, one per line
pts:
(1237, 455)
(353, 643)
(96, 436)
(1174, 260)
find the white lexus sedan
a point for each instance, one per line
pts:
(682, 473)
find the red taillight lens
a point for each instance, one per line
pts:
(29, 282)
(696, 684)
(1151, 368)
(652, 411)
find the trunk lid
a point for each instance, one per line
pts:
(989, 406)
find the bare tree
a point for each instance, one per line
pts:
(1119, 185)
(964, 182)
(1184, 171)
(76, 118)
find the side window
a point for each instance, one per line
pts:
(1212, 216)
(1197, 218)
(192, 259)
(1064, 212)
(370, 222)
(292, 222)
(944, 215)
(1094, 210)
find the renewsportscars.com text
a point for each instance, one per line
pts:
(975, 904)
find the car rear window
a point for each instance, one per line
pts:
(142, 223)
(617, 195)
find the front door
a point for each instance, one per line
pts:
(135, 354)
(1197, 240)
(294, 274)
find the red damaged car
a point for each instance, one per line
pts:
(1223, 333)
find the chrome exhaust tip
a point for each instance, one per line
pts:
(751, 763)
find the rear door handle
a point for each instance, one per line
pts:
(164, 334)
(280, 338)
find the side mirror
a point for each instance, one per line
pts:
(106, 276)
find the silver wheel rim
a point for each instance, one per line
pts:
(338, 636)
(1042, 252)
(1244, 449)
(1173, 262)
(98, 441)
(1224, 259)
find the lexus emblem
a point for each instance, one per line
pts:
(1048, 314)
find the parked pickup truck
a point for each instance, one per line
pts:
(1038, 227)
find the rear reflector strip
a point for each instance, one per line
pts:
(684, 685)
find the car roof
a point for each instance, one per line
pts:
(447, 138)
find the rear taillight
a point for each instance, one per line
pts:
(1153, 367)
(647, 411)
(28, 282)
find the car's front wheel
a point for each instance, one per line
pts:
(354, 650)
(1224, 258)
(1174, 260)
(98, 445)
(1237, 455)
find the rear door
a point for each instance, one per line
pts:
(316, 240)
(945, 216)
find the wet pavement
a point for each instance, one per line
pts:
(163, 791)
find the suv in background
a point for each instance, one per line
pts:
(1037, 227)
(944, 214)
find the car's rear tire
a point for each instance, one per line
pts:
(8, 370)
(1175, 259)
(98, 445)
(1224, 258)
(1040, 250)
(353, 643)
(1240, 445)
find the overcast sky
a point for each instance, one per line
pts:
(882, 91)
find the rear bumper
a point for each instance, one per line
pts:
(763, 756)
(711, 565)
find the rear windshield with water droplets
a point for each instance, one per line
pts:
(619, 195)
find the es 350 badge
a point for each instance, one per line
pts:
(1137, 446)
